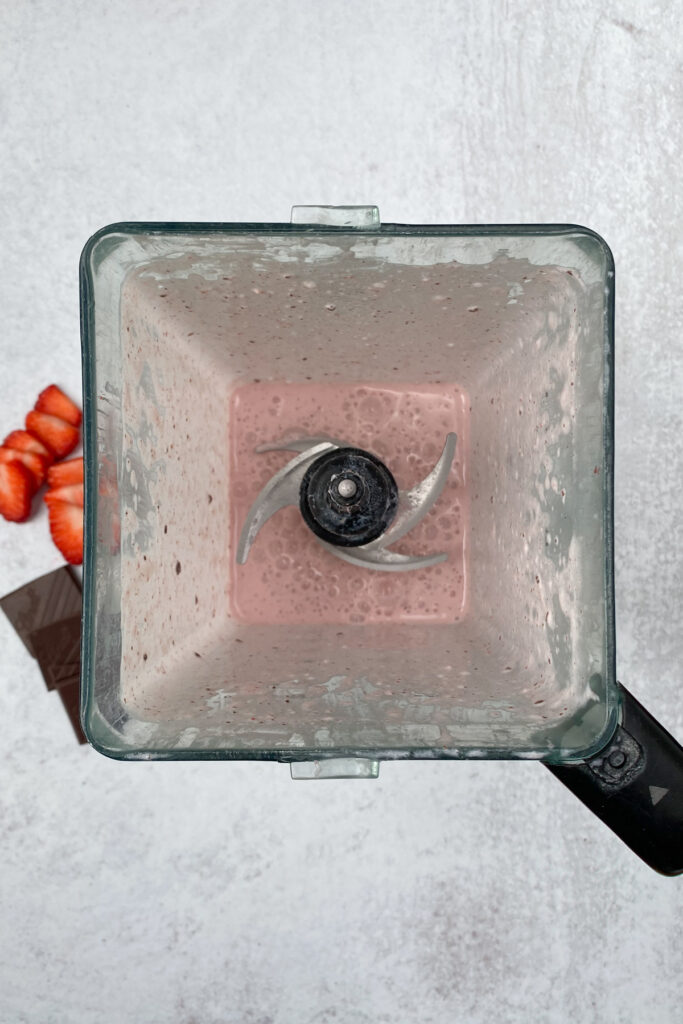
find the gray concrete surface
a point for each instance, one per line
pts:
(206, 893)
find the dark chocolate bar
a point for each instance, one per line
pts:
(46, 614)
(58, 650)
(50, 598)
(70, 696)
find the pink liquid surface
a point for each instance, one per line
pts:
(289, 577)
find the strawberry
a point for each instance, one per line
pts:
(35, 464)
(54, 402)
(71, 493)
(16, 488)
(22, 441)
(64, 473)
(59, 436)
(66, 527)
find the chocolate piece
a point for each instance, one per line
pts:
(52, 597)
(58, 650)
(46, 614)
(71, 700)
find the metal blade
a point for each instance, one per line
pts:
(283, 489)
(300, 444)
(379, 559)
(415, 504)
(280, 491)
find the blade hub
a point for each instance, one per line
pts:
(348, 497)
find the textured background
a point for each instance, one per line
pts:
(207, 893)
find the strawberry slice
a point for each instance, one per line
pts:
(54, 402)
(64, 473)
(59, 436)
(16, 488)
(66, 527)
(25, 442)
(35, 464)
(71, 493)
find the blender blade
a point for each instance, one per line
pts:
(285, 488)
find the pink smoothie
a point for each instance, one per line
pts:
(289, 577)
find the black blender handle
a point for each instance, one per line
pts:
(635, 784)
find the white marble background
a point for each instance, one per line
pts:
(213, 893)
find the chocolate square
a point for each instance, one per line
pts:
(71, 700)
(58, 650)
(48, 599)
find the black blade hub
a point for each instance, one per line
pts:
(348, 497)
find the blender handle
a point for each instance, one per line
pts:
(635, 785)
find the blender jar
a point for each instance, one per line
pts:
(209, 349)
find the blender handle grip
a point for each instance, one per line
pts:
(635, 785)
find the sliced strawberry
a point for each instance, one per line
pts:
(35, 464)
(72, 493)
(66, 527)
(54, 402)
(25, 442)
(59, 436)
(16, 488)
(64, 473)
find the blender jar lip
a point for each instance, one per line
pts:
(129, 229)
(132, 228)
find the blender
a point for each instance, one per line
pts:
(349, 499)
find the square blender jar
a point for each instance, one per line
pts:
(202, 342)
